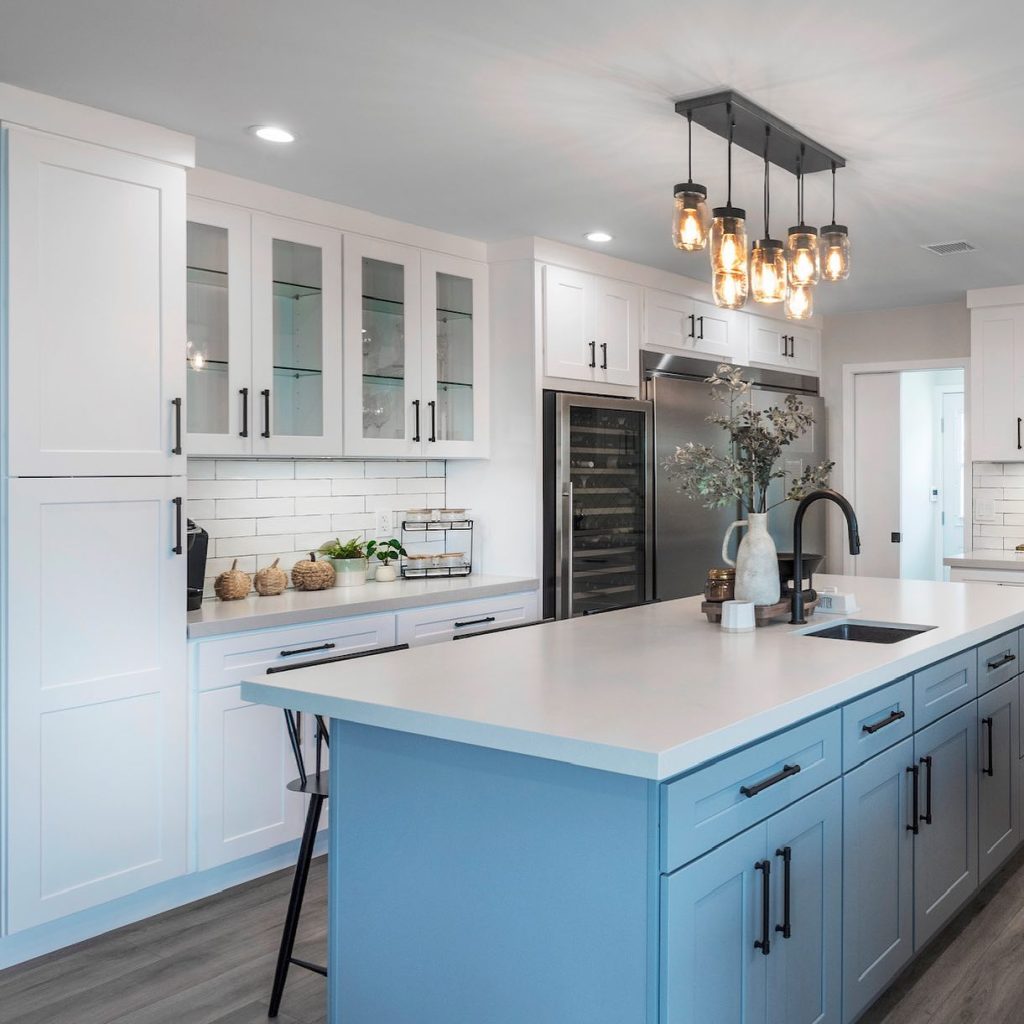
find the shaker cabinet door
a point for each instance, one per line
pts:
(998, 781)
(95, 310)
(997, 399)
(570, 348)
(616, 331)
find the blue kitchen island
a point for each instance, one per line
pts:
(635, 817)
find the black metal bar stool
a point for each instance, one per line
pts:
(317, 788)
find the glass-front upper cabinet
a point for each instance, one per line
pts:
(455, 357)
(385, 412)
(296, 296)
(218, 347)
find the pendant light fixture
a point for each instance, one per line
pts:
(729, 244)
(835, 244)
(802, 243)
(768, 255)
(691, 219)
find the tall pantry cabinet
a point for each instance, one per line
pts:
(94, 666)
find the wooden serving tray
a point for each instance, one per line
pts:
(763, 613)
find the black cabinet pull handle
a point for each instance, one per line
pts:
(244, 392)
(604, 355)
(178, 548)
(873, 727)
(474, 622)
(1018, 433)
(786, 853)
(760, 787)
(990, 769)
(433, 421)
(416, 431)
(765, 943)
(693, 325)
(1000, 662)
(913, 770)
(593, 357)
(785, 344)
(792, 346)
(176, 450)
(307, 650)
(700, 336)
(927, 816)
(333, 658)
(266, 412)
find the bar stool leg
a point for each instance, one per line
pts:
(291, 921)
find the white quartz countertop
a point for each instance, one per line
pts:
(987, 559)
(650, 691)
(216, 618)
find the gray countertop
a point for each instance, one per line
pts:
(217, 618)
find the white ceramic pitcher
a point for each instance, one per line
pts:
(757, 561)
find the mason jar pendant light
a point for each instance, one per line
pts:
(835, 244)
(729, 245)
(691, 219)
(768, 255)
(802, 242)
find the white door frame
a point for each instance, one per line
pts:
(847, 466)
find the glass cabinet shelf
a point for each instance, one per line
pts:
(221, 366)
(291, 290)
(203, 275)
(386, 380)
(394, 307)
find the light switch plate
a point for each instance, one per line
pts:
(385, 522)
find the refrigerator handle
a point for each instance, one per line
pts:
(567, 541)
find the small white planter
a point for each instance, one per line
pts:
(349, 572)
(386, 573)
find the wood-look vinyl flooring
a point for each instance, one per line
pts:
(212, 962)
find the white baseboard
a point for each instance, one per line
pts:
(176, 892)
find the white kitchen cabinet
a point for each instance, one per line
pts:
(591, 327)
(997, 391)
(441, 622)
(95, 309)
(677, 323)
(296, 330)
(417, 367)
(783, 345)
(97, 689)
(998, 781)
(218, 356)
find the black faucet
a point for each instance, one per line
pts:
(797, 616)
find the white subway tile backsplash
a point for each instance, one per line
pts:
(257, 510)
(998, 504)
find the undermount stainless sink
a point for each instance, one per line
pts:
(868, 632)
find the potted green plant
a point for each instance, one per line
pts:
(386, 552)
(348, 559)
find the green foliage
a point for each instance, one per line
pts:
(353, 548)
(385, 550)
(757, 440)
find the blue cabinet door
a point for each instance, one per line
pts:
(711, 916)
(878, 882)
(946, 848)
(998, 810)
(805, 965)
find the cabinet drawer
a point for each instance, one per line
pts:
(701, 810)
(228, 661)
(998, 661)
(944, 687)
(875, 722)
(442, 622)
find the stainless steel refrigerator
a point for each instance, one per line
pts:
(598, 514)
(688, 537)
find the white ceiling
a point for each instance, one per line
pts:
(553, 117)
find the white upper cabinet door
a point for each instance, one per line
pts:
(669, 320)
(784, 345)
(570, 349)
(720, 332)
(997, 360)
(616, 317)
(456, 367)
(96, 310)
(97, 762)
(296, 316)
(805, 349)
(385, 407)
(218, 356)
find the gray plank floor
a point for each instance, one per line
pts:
(212, 962)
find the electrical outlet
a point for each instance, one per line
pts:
(385, 522)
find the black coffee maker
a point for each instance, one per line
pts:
(198, 542)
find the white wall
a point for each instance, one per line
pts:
(940, 331)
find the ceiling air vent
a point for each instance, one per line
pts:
(950, 248)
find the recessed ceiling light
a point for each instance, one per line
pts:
(598, 236)
(272, 133)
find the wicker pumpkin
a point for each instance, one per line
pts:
(232, 584)
(312, 575)
(270, 581)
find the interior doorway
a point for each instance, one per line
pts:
(904, 459)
